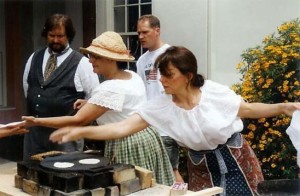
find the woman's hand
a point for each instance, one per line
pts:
(290, 108)
(79, 103)
(8, 131)
(65, 134)
(29, 121)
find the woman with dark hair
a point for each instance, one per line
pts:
(201, 115)
(115, 99)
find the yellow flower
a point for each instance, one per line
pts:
(288, 75)
(266, 124)
(240, 65)
(252, 127)
(268, 83)
(261, 147)
(262, 120)
(250, 135)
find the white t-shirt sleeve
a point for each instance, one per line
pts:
(139, 69)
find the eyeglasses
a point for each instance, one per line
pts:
(96, 57)
(52, 36)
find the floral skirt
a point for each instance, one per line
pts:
(144, 149)
(243, 171)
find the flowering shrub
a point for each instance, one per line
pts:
(270, 74)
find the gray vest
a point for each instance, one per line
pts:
(54, 97)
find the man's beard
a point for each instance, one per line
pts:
(57, 48)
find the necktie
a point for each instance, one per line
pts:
(50, 66)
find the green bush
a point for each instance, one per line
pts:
(270, 74)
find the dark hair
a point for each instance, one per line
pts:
(122, 65)
(57, 20)
(184, 60)
(153, 20)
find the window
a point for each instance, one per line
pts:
(126, 14)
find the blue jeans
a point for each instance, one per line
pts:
(172, 150)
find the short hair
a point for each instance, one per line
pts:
(56, 20)
(153, 20)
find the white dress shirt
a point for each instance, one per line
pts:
(85, 79)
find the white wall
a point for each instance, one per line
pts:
(76, 17)
(184, 22)
(218, 31)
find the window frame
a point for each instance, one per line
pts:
(128, 36)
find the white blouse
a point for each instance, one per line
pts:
(204, 127)
(123, 97)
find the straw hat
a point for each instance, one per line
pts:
(109, 45)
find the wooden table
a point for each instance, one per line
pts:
(8, 171)
(7, 188)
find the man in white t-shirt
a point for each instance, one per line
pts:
(148, 28)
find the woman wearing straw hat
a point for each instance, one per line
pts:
(113, 100)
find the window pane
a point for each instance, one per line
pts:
(145, 1)
(119, 2)
(133, 15)
(133, 1)
(146, 9)
(134, 46)
(119, 19)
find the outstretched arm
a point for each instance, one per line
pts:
(120, 129)
(261, 110)
(85, 115)
(6, 131)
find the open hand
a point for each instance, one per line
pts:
(8, 131)
(65, 134)
(29, 121)
(291, 107)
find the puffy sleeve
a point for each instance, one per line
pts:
(220, 99)
(105, 97)
(219, 107)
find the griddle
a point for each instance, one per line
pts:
(74, 158)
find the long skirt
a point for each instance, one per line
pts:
(144, 149)
(242, 175)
